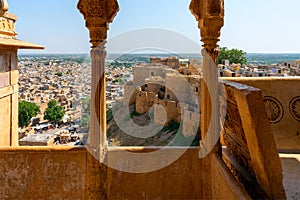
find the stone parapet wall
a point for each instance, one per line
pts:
(185, 178)
(282, 99)
(43, 173)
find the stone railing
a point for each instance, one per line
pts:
(72, 173)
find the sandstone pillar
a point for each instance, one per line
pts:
(9, 76)
(210, 17)
(98, 14)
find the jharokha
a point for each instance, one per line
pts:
(241, 164)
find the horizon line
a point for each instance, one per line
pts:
(22, 54)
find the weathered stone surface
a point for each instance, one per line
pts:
(5, 60)
(291, 171)
(14, 119)
(282, 97)
(4, 79)
(42, 173)
(14, 77)
(224, 184)
(186, 178)
(254, 145)
(5, 121)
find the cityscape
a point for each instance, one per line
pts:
(67, 80)
(171, 102)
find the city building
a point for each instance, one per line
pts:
(247, 166)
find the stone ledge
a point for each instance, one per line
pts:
(54, 149)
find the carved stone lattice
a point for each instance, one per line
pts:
(274, 109)
(295, 108)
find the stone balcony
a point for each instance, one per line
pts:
(68, 173)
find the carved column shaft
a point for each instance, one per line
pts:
(210, 17)
(98, 102)
(98, 14)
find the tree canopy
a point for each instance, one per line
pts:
(233, 55)
(54, 112)
(27, 110)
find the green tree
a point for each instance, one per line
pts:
(27, 110)
(54, 112)
(59, 74)
(233, 55)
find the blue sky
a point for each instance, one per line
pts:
(256, 26)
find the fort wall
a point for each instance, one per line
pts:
(130, 93)
(191, 123)
(145, 100)
(165, 111)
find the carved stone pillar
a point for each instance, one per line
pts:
(210, 17)
(98, 14)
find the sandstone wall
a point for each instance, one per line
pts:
(282, 99)
(43, 173)
(185, 178)
(72, 173)
(145, 100)
(129, 94)
(165, 111)
(142, 72)
(191, 123)
(8, 98)
(249, 145)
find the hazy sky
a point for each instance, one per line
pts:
(256, 26)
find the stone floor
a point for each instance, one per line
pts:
(291, 174)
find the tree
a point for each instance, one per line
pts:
(233, 55)
(54, 112)
(59, 74)
(27, 110)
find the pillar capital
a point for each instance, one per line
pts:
(210, 17)
(98, 14)
(3, 7)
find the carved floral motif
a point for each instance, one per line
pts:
(98, 14)
(210, 16)
(274, 109)
(295, 108)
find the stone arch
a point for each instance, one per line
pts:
(210, 16)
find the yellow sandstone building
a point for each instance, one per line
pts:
(244, 164)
